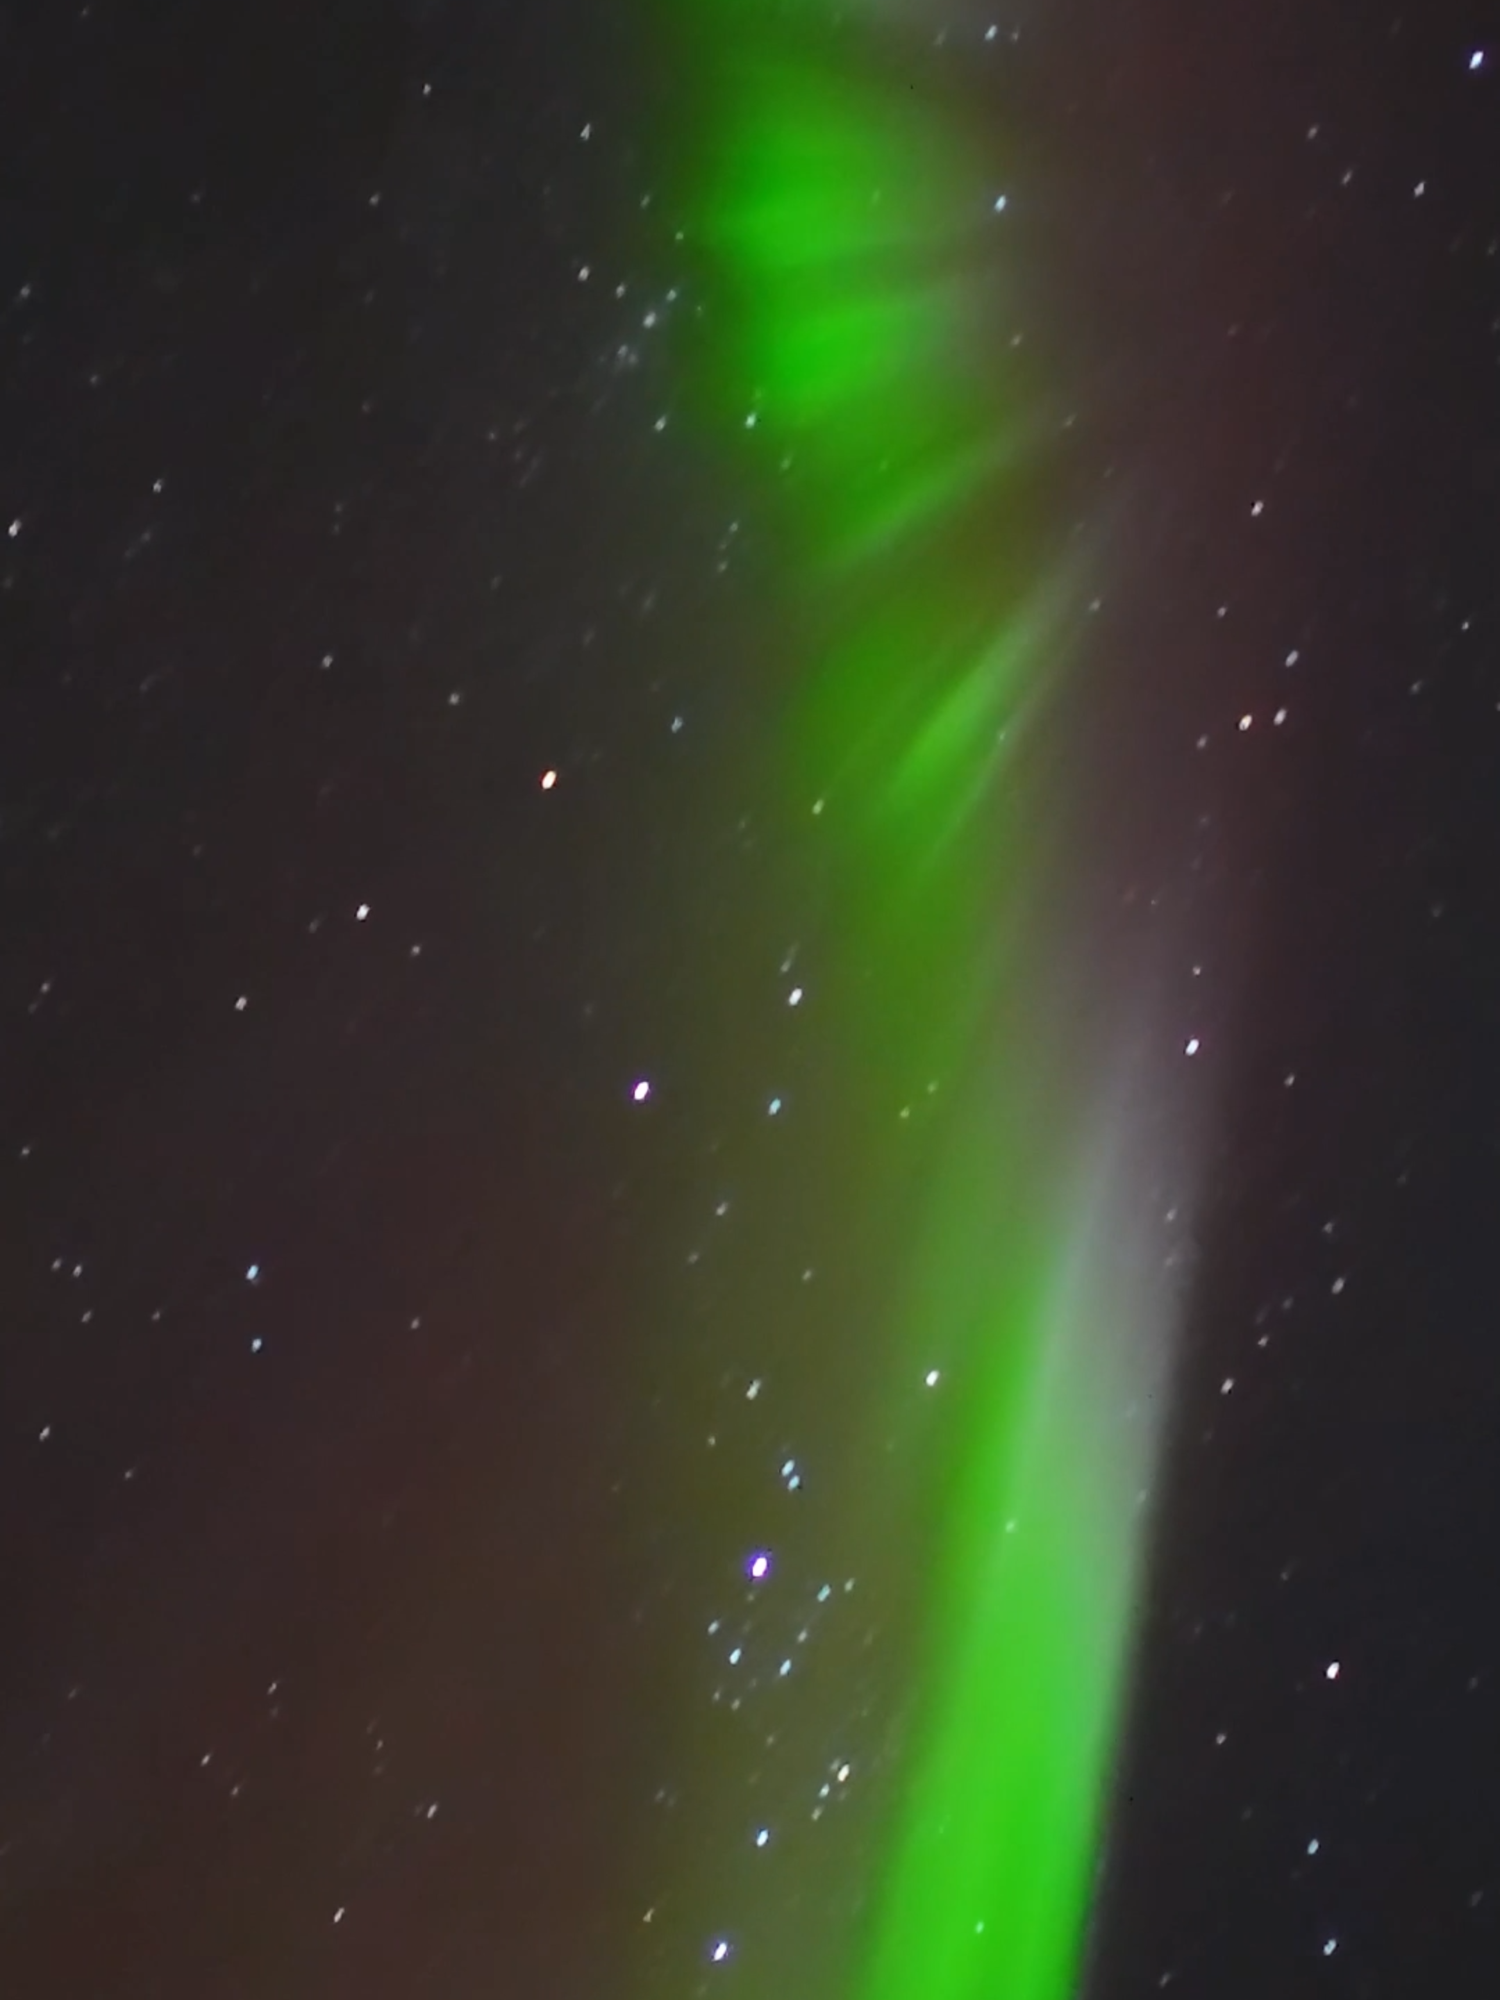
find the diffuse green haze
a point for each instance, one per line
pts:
(839, 217)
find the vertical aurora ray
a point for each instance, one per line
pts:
(851, 343)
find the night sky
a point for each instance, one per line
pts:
(458, 1536)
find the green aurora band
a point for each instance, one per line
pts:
(840, 218)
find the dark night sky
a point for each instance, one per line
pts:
(349, 1607)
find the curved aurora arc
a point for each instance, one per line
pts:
(842, 223)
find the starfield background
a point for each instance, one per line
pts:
(470, 1489)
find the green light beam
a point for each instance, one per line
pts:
(837, 211)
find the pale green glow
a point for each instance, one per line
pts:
(838, 220)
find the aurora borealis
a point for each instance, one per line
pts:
(850, 350)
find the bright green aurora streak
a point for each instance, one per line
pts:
(850, 341)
